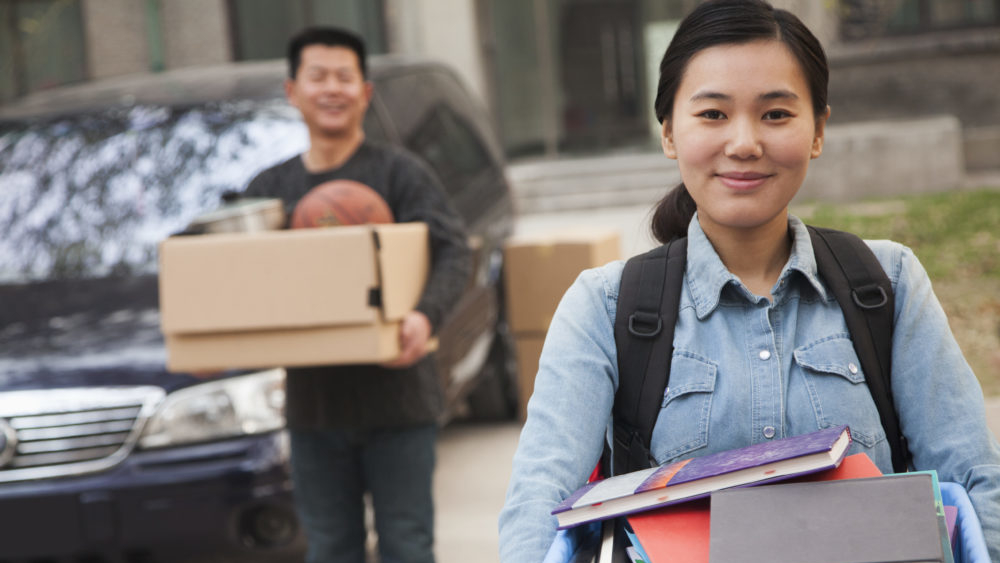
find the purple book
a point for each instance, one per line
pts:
(698, 477)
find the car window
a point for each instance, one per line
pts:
(92, 195)
(406, 96)
(449, 144)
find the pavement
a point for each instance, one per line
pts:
(469, 486)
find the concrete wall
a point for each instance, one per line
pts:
(982, 147)
(195, 32)
(818, 15)
(116, 37)
(909, 77)
(439, 29)
(887, 158)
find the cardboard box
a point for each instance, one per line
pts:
(538, 270)
(529, 349)
(289, 298)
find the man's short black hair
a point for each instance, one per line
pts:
(329, 36)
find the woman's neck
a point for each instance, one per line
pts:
(326, 153)
(755, 255)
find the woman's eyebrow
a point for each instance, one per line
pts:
(710, 95)
(773, 95)
(778, 95)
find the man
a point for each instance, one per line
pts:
(365, 428)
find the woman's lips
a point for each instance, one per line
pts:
(743, 181)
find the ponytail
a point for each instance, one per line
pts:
(673, 214)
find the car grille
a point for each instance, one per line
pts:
(61, 432)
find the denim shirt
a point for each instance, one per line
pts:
(745, 370)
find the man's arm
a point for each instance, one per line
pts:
(422, 198)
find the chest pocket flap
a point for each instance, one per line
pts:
(689, 374)
(683, 423)
(837, 389)
(834, 355)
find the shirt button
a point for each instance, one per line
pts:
(765, 354)
(769, 432)
(852, 368)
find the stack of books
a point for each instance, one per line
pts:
(794, 500)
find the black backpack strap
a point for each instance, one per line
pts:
(865, 295)
(648, 301)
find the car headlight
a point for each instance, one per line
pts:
(234, 406)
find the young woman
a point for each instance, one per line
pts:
(761, 348)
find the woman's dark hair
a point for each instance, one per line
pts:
(727, 22)
(328, 36)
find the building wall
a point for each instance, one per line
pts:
(818, 15)
(195, 32)
(441, 29)
(116, 37)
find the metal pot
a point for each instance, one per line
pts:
(241, 215)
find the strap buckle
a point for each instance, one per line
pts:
(641, 324)
(870, 296)
(629, 451)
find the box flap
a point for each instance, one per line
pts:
(312, 346)
(404, 259)
(247, 281)
(538, 269)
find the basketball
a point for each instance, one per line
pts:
(340, 202)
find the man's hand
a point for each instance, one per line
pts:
(414, 332)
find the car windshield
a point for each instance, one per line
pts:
(91, 195)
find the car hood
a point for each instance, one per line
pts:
(83, 333)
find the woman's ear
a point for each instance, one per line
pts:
(667, 140)
(817, 144)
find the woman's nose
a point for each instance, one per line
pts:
(744, 141)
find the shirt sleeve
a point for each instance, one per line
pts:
(938, 398)
(568, 416)
(418, 196)
(262, 185)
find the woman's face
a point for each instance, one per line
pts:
(743, 131)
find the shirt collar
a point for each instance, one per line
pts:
(707, 276)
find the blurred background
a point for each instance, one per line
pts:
(558, 76)
(912, 154)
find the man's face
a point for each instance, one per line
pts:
(330, 91)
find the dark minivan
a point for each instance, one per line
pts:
(106, 456)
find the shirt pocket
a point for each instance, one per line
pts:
(837, 388)
(682, 425)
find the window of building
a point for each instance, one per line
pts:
(862, 19)
(261, 28)
(41, 45)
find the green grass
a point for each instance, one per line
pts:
(956, 236)
(953, 234)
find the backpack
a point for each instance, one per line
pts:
(644, 331)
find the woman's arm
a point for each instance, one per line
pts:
(938, 397)
(568, 414)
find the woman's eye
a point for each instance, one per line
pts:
(776, 114)
(712, 114)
